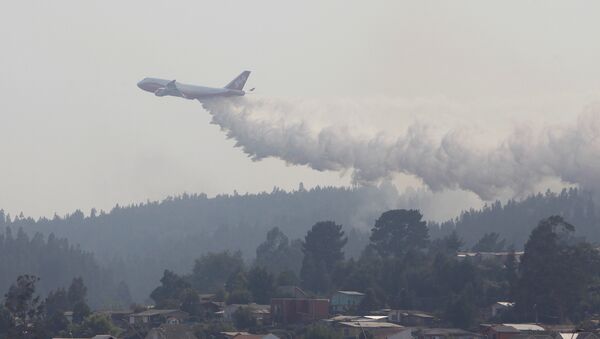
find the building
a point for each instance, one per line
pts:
(99, 336)
(157, 317)
(262, 313)
(246, 335)
(377, 329)
(298, 310)
(166, 331)
(411, 318)
(576, 335)
(447, 333)
(344, 301)
(499, 331)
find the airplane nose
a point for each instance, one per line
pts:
(140, 84)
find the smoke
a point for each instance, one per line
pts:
(286, 130)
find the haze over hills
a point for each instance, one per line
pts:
(136, 243)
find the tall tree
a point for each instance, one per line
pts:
(277, 254)
(25, 309)
(322, 248)
(261, 284)
(554, 273)
(212, 270)
(168, 294)
(398, 232)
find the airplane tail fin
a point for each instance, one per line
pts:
(239, 82)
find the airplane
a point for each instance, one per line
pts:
(162, 87)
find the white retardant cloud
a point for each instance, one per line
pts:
(265, 128)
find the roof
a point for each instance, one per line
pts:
(504, 329)
(526, 327)
(447, 331)
(149, 313)
(370, 324)
(351, 293)
(413, 313)
(174, 331)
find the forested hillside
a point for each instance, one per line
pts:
(57, 263)
(138, 242)
(515, 219)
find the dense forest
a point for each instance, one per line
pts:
(58, 263)
(515, 219)
(137, 243)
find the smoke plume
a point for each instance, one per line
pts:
(269, 128)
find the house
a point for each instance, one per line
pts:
(576, 335)
(500, 307)
(411, 318)
(157, 317)
(446, 333)
(298, 310)
(171, 331)
(246, 335)
(262, 313)
(344, 301)
(527, 327)
(99, 336)
(499, 331)
(357, 329)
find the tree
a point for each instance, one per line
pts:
(554, 273)
(398, 232)
(94, 325)
(277, 254)
(77, 291)
(57, 302)
(243, 318)
(80, 311)
(168, 294)
(212, 270)
(322, 249)
(261, 284)
(490, 242)
(25, 309)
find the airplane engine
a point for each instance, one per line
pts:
(161, 92)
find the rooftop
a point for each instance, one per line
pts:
(350, 293)
(370, 324)
(526, 327)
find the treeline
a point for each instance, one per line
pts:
(514, 220)
(138, 242)
(557, 279)
(25, 314)
(57, 262)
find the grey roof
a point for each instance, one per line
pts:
(447, 331)
(351, 293)
(151, 312)
(370, 324)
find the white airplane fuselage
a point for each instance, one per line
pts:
(162, 87)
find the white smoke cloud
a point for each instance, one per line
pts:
(282, 128)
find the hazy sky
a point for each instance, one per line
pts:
(76, 132)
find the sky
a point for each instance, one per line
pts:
(76, 132)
